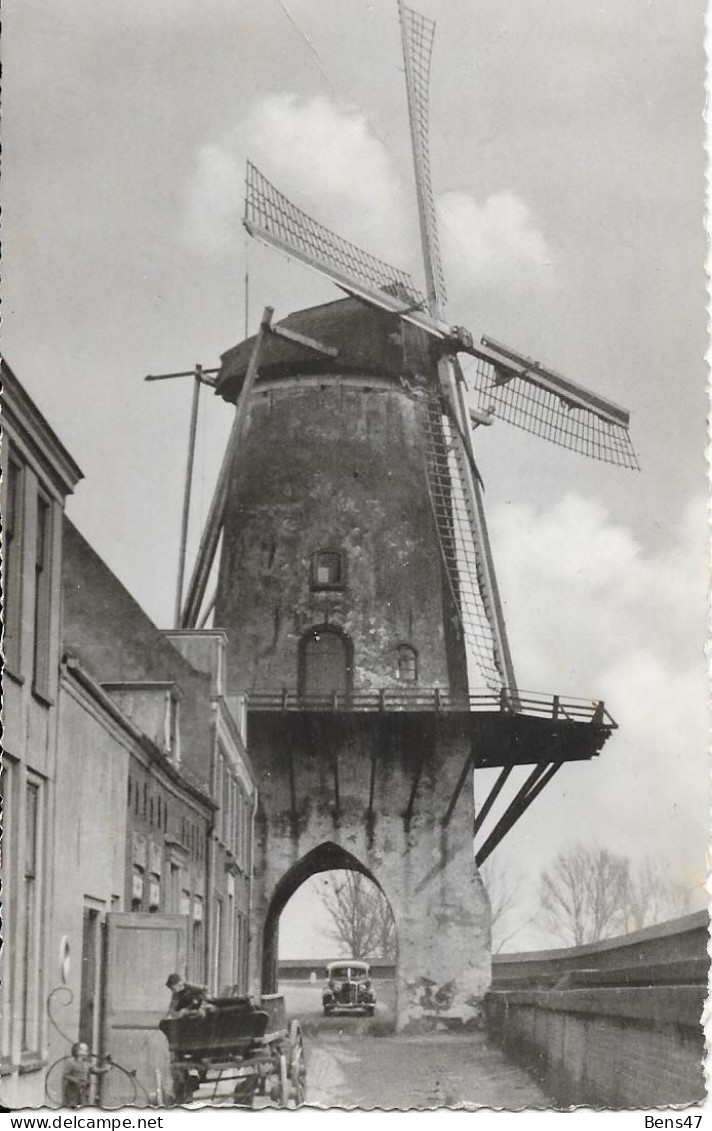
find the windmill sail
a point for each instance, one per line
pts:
(460, 550)
(273, 218)
(418, 33)
(454, 489)
(548, 405)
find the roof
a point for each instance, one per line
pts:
(357, 962)
(370, 342)
(106, 628)
(19, 408)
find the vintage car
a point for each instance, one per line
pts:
(348, 988)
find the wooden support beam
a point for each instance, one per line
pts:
(536, 782)
(458, 788)
(303, 340)
(490, 799)
(214, 522)
(190, 459)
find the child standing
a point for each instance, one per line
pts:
(77, 1076)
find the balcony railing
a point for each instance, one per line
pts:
(389, 699)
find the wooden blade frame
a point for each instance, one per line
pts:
(417, 34)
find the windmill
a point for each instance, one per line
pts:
(507, 386)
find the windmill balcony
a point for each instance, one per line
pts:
(390, 699)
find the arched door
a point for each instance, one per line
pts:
(325, 664)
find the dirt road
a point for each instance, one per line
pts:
(351, 1064)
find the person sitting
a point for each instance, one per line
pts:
(186, 998)
(76, 1078)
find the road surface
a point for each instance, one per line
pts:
(353, 1061)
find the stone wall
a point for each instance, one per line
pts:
(611, 1025)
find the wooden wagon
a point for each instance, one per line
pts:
(238, 1041)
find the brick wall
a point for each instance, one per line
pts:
(609, 1045)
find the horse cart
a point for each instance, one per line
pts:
(249, 1047)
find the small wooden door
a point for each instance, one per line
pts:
(325, 665)
(141, 951)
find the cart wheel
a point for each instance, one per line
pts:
(297, 1064)
(283, 1081)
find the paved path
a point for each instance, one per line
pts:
(348, 1070)
(350, 1065)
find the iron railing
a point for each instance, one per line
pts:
(388, 699)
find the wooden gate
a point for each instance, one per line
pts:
(141, 951)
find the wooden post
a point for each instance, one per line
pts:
(213, 524)
(197, 381)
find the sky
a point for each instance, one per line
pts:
(567, 154)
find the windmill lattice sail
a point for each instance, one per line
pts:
(418, 34)
(534, 406)
(270, 216)
(444, 456)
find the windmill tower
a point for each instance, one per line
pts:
(358, 590)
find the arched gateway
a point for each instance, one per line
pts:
(327, 857)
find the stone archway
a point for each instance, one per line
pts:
(326, 857)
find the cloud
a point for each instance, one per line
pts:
(324, 157)
(493, 242)
(592, 612)
(599, 595)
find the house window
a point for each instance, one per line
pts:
(12, 555)
(40, 655)
(407, 663)
(31, 939)
(171, 736)
(137, 886)
(324, 663)
(154, 892)
(197, 939)
(327, 570)
(8, 781)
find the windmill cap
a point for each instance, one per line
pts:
(369, 342)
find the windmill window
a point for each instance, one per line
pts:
(328, 570)
(407, 659)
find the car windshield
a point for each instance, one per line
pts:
(344, 973)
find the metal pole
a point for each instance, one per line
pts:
(187, 492)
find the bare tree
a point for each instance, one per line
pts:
(653, 896)
(584, 893)
(361, 915)
(500, 879)
(590, 893)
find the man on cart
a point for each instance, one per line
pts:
(187, 998)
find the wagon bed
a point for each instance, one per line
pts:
(238, 1040)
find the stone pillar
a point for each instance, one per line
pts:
(426, 870)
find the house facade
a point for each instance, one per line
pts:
(128, 797)
(38, 474)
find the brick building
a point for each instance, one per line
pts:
(171, 686)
